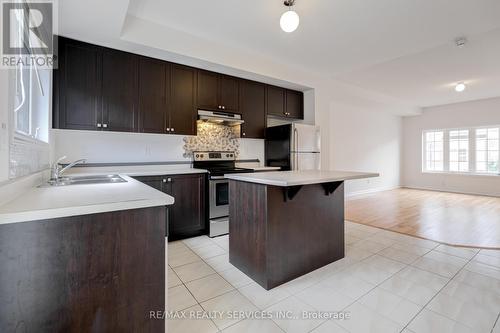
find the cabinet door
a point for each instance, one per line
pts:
(153, 181)
(207, 92)
(120, 91)
(77, 86)
(182, 100)
(275, 101)
(187, 215)
(252, 108)
(158, 183)
(295, 104)
(228, 93)
(153, 90)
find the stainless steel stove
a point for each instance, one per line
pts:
(218, 164)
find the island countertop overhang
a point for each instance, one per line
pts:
(298, 178)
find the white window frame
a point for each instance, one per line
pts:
(472, 151)
(475, 152)
(424, 151)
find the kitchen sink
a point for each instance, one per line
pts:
(85, 180)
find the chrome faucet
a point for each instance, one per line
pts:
(56, 171)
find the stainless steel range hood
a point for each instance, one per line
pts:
(221, 118)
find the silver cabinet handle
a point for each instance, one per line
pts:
(172, 129)
(168, 129)
(105, 125)
(99, 125)
(223, 107)
(164, 180)
(244, 134)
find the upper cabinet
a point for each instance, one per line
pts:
(97, 88)
(285, 103)
(217, 92)
(183, 114)
(253, 109)
(77, 86)
(154, 80)
(228, 93)
(294, 104)
(275, 101)
(119, 91)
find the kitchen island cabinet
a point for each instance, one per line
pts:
(100, 272)
(285, 224)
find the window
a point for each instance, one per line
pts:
(487, 146)
(31, 102)
(434, 151)
(464, 150)
(459, 151)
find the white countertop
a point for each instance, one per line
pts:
(53, 202)
(294, 178)
(261, 169)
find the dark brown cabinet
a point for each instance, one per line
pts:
(77, 86)
(275, 101)
(285, 103)
(294, 104)
(217, 92)
(167, 98)
(119, 91)
(187, 217)
(253, 109)
(228, 93)
(182, 108)
(97, 88)
(154, 82)
(208, 88)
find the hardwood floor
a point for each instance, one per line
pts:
(455, 219)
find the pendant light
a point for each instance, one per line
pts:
(289, 21)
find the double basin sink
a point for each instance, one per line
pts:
(85, 180)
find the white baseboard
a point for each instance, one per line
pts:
(435, 189)
(372, 190)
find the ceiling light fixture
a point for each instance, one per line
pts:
(289, 21)
(460, 87)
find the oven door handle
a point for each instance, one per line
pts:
(216, 177)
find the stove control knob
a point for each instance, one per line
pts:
(227, 155)
(201, 155)
(197, 155)
(231, 155)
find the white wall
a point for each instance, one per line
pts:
(364, 140)
(105, 147)
(4, 124)
(468, 114)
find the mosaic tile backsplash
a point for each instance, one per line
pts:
(213, 137)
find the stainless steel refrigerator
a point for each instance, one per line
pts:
(293, 147)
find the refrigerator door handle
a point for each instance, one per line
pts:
(296, 148)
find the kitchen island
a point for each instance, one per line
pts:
(285, 224)
(83, 258)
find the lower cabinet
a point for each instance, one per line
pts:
(101, 272)
(187, 217)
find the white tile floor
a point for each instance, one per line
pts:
(387, 283)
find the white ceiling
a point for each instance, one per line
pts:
(401, 48)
